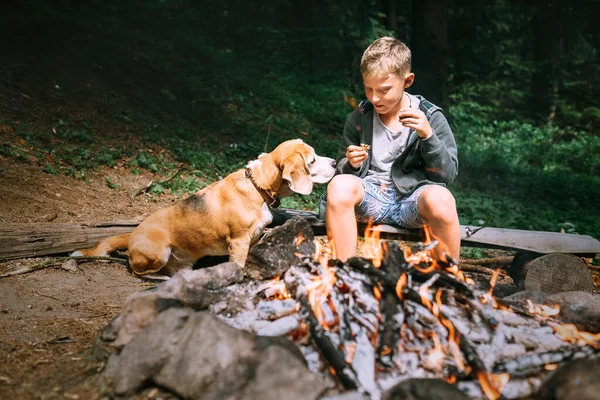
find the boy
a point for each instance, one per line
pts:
(408, 156)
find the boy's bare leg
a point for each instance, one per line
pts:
(344, 192)
(437, 205)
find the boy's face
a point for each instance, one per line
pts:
(385, 91)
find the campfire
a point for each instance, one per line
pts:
(399, 313)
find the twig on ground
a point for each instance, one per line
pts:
(151, 184)
(57, 260)
(476, 268)
(488, 262)
(48, 296)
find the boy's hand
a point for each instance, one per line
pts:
(356, 156)
(416, 119)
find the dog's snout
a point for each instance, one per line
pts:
(332, 162)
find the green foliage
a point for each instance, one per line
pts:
(222, 91)
(519, 144)
(110, 183)
(51, 169)
(472, 253)
(145, 160)
(15, 152)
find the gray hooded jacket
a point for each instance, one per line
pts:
(430, 161)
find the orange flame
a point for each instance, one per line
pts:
(543, 310)
(491, 384)
(372, 246)
(569, 333)
(349, 349)
(276, 289)
(377, 293)
(401, 284)
(299, 239)
(454, 270)
(453, 337)
(319, 289)
(488, 296)
(425, 296)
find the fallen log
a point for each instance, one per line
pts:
(32, 240)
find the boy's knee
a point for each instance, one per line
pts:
(438, 202)
(343, 190)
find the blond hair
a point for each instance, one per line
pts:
(385, 55)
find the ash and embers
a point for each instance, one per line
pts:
(371, 323)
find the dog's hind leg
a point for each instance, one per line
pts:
(105, 247)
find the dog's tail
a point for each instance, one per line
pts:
(105, 247)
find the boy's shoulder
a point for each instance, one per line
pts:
(426, 106)
(365, 106)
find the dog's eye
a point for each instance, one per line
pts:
(314, 160)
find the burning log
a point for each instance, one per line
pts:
(335, 357)
(530, 364)
(392, 319)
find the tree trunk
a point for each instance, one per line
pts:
(429, 47)
(390, 9)
(547, 58)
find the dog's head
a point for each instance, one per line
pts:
(297, 164)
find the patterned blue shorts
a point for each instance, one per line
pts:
(384, 205)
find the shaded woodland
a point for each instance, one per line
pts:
(217, 82)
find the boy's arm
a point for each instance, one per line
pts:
(350, 137)
(439, 151)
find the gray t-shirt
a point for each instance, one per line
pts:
(387, 146)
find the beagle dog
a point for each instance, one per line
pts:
(225, 218)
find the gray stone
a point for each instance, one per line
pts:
(521, 297)
(419, 389)
(576, 380)
(188, 288)
(349, 395)
(196, 355)
(579, 308)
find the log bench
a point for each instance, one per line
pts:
(18, 240)
(472, 236)
(544, 261)
(545, 257)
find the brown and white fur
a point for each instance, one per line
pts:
(224, 218)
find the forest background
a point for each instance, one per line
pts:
(215, 83)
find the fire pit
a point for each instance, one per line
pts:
(367, 326)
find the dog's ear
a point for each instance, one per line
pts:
(297, 175)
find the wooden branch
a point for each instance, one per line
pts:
(33, 240)
(388, 331)
(489, 262)
(532, 363)
(151, 184)
(332, 355)
(54, 261)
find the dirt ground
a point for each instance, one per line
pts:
(49, 318)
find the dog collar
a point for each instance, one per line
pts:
(272, 201)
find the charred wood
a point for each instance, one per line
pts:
(531, 364)
(333, 355)
(388, 329)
